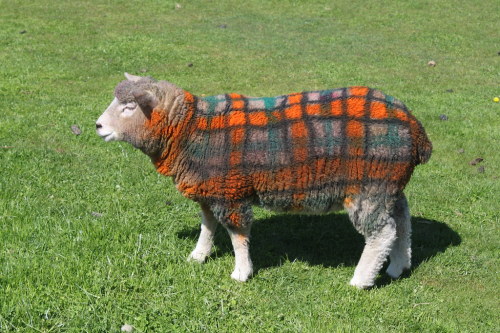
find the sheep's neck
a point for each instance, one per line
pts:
(169, 135)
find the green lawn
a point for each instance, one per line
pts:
(92, 238)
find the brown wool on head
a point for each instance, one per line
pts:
(124, 91)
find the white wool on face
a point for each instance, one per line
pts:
(106, 124)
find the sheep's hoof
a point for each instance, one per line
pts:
(198, 257)
(360, 284)
(240, 275)
(394, 270)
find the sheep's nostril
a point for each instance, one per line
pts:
(97, 125)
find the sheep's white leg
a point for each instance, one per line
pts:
(205, 241)
(400, 254)
(243, 268)
(374, 254)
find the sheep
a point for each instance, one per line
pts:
(313, 152)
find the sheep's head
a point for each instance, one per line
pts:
(134, 100)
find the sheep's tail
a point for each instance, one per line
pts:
(422, 144)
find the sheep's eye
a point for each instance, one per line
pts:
(128, 107)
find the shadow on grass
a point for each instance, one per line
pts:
(328, 240)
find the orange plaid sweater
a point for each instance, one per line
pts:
(303, 151)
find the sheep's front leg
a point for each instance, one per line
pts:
(237, 218)
(205, 241)
(240, 238)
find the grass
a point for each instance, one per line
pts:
(92, 238)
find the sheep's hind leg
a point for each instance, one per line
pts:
(373, 257)
(400, 254)
(372, 219)
(205, 241)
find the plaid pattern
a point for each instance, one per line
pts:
(300, 151)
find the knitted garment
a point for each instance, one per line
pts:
(299, 152)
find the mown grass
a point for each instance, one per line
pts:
(92, 238)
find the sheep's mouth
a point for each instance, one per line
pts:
(106, 136)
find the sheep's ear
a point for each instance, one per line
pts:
(133, 78)
(146, 100)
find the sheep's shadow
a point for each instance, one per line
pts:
(328, 240)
